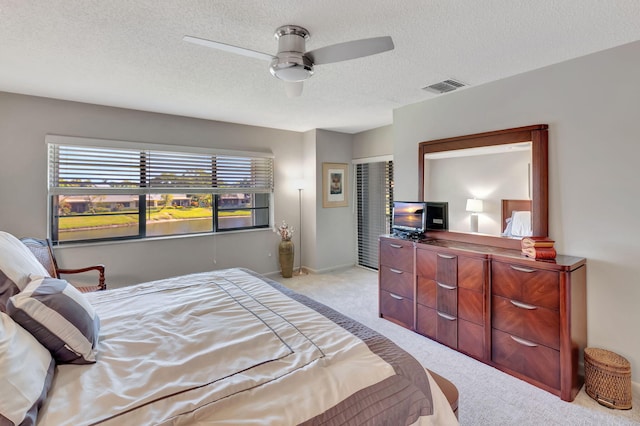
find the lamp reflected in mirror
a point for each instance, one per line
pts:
(474, 206)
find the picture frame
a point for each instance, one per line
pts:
(335, 185)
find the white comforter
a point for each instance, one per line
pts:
(218, 348)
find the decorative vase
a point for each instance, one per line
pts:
(285, 252)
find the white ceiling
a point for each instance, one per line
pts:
(130, 53)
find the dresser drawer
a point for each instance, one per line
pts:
(471, 338)
(471, 305)
(397, 254)
(426, 321)
(437, 325)
(427, 290)
(525, 284)
(471, 273)
(534, 323)
(426, 263)
(447, 298)
(447, 333)
(447, 269)
(393, 306)
(396, 281)
(535, 361)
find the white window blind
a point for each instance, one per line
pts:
(113, 170)
(374, 193)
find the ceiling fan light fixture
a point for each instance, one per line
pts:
(293, 64)
(291, 68)
(290, 64)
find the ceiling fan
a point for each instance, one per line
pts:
(292, 63)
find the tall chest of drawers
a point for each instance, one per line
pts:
(522, 316)
(396, 281)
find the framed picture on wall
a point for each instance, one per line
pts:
(334, 185)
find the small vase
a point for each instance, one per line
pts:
(286, 252)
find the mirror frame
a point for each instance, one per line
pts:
(538, 136)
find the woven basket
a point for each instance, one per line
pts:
(607, 378)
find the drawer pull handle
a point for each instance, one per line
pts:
(447, 317)
(396, 271)
(523, 305)
(447, 287)
(395, 245)
(518, 268)
(395, 296)
(524, 342)
(445, 256)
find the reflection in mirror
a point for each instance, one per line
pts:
(474, 182)
(487, 187)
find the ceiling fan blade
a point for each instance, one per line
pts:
(293, 89)
(228, 48)
(350, 50)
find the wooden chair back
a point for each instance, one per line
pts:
(43, 251)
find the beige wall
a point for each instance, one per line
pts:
(24, 122)
(336, 227)
(591, 106)
(309, 196)
(373, 143)
(328, 240)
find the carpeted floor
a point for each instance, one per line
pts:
(487, 396)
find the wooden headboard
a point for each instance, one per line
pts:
(509, 206)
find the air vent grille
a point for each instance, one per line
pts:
(444, 86)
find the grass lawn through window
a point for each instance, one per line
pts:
(125, 218)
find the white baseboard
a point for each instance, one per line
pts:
(335, 268)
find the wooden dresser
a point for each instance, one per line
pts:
(523, 316)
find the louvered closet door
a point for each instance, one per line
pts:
(374, 191)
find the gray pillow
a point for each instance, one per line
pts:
(59, 317)
(17, 263)
(7, 289)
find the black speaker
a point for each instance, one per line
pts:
(437, 215)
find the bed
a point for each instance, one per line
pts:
(516, 218)
(228, 347)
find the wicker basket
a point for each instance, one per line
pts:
(607, 378)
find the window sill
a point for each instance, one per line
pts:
(159, 238)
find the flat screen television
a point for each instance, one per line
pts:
(409, 217)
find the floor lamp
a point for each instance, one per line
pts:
(300, 226)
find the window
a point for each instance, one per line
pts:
(374, 197)
(118, 190)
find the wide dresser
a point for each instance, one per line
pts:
(524, 316)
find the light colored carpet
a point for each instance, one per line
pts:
(487, 396)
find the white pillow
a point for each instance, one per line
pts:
(17, 263)
(521, 224)
(26, 372)
(507, 230)
(59, 317)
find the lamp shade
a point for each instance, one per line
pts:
(474, 205)
(297, 183)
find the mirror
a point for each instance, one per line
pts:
(475, 173)
(474, 181)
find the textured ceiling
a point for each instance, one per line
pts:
(130, 53)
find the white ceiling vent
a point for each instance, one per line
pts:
(444, 86)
